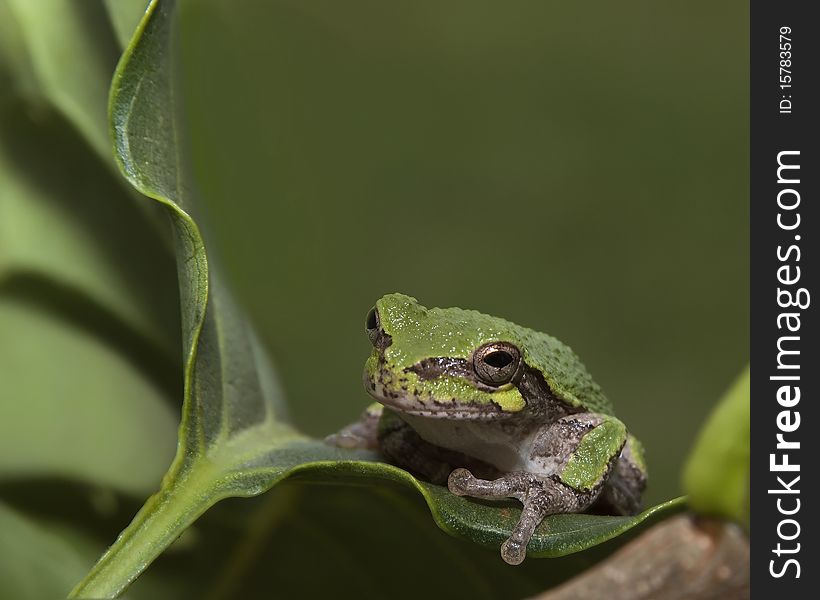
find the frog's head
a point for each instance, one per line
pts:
(443, 362)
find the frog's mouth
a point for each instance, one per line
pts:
(403, 392)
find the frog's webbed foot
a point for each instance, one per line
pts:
(527, 488)
(541, 496)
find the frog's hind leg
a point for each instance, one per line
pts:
(571, 460)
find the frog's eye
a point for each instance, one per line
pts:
(372, 325)
(497, 363)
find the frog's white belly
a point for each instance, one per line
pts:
(507, 449)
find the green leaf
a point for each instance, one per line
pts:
(35, 562)
(43, 557)
(716, 476)
(16, 72)
(84, 414)
(60, 56)
(67, 227)
(233, 440)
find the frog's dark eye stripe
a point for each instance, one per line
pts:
(432, 368)
(497, 363)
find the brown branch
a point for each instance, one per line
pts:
(684, 557)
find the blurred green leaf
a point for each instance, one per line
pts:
(72, 55)
(233, 440)
(35, 563)
(67, 227)
(42, 558)
(84, 413)
(87, 354)
(65, 224)
(60, 56)
(716, 476)
(16, 72)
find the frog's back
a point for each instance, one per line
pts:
(566, 375)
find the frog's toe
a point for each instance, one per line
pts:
(513, 552)
(460, 482)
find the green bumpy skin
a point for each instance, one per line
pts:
(419, 333)
(638, 453)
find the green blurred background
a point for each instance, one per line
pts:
(580, 169)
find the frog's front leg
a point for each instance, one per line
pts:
(568, 466)
(362, 434)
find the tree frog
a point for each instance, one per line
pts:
(493, 410)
